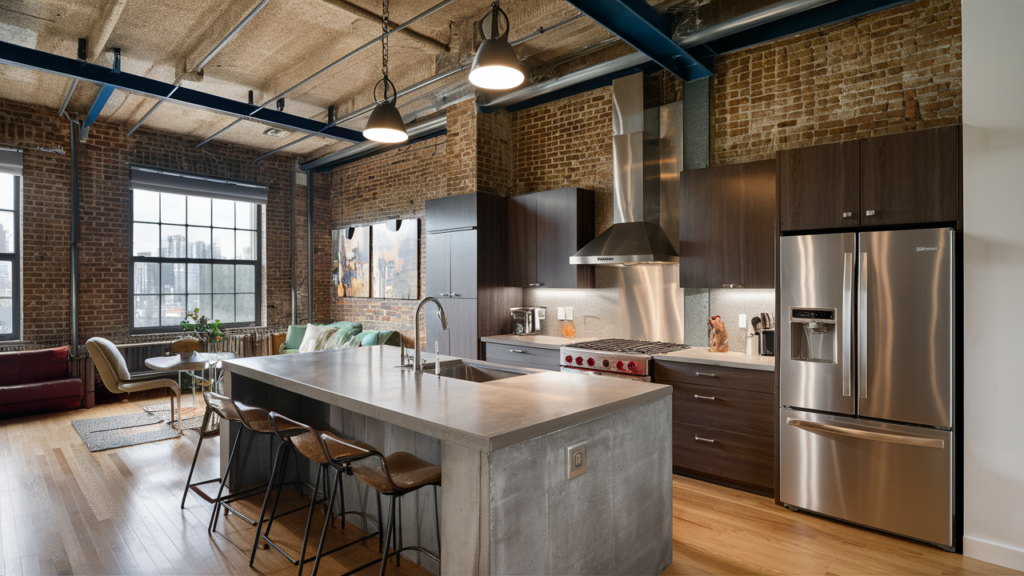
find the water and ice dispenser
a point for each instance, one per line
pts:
(814, 333)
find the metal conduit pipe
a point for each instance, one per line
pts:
(74, 238)
(294, 169)
(415, 19)
(195, 69)
(747, 21)
(309, 246)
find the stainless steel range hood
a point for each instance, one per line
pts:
(643, 164)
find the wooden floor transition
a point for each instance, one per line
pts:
(64, 510)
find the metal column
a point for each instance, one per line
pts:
(293, 170)
(74, 238)
(309, 244)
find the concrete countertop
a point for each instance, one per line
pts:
(726, 359)
(485, 416)
(534, 341)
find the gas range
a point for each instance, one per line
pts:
(615, 357)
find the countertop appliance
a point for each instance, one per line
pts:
(527, 320)
(866, 339)
(614, 357)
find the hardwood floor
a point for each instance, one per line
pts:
(64, 510)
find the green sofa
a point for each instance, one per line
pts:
(369, 338)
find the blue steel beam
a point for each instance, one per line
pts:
(51, 63)
(98, 104)
(644, 29)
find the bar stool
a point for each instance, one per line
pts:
(395, 475)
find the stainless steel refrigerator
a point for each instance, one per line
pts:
(867, 379)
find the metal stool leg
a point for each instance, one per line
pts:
(328, 519)
(266, 499)
(321, 471)
(437, 518)
(380, 515)
(277, 499)
(188, 482)
(388, 538)
(223, 481)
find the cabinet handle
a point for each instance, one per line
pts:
(453, 295)
(442, 294)
(708, 374)
(847, 214)
(732, 285)
(535, 284)
(708, 440)
(703, 397)
(516, 351)
(869, 213)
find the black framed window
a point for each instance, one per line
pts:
(194, 252)
(10, 256)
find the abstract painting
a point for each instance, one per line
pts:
(351, 261)
(396, 266)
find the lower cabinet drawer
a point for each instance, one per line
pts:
(519, 355)
(729, 409)
(744, 458)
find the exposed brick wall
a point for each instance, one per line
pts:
(894, 71)
(105, 221)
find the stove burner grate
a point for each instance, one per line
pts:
(629, 346)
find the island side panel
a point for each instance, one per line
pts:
(614, 519)
(465, 518)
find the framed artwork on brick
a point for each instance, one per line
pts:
(350, 249)
(395, 254)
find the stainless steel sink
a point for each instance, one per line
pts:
(473, 372)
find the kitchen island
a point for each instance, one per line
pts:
(508, 505)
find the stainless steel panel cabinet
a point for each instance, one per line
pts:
(905, 353)
(886, 476)
(816, 277)
(438, 265)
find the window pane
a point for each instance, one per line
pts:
(245, 308)
(6, 316)
(245, 245)
(223, 213)
(200, 278)
(223, 278)
(6, 279)
(199, 242)
(223, 244)
(147, 240)
(147, 311)
(172, 208)
(6, 192)
(245, 278)
(202, 301)
(172, 310)
(198, 211)
(146, 206)
(172, 278)
(224, 308)
(7, 232)
(172, 241)
(245, 215)
(147, 278)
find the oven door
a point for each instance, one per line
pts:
(591, 372)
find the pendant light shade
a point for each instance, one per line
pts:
(385, 124)
(496, 66)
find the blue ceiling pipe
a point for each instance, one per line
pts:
(111, 79)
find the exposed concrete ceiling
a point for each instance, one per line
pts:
(287, 41)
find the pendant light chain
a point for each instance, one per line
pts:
(385, 24)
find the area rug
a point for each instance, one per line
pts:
(151, 425)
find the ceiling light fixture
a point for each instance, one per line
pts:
(385, 122)
(496, 66)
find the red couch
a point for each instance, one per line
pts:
(38, 380)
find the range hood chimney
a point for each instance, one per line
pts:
(643, 163)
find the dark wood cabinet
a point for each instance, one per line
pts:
(439, 265)
(727, 227)
(460, 339)
(517, 354)
(723, 423)
(820, 187)
(911, 178)
(546, 228)
(455, 212)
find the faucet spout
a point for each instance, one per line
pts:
(418, 362)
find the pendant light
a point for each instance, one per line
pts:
(496, 66)
(385, 122)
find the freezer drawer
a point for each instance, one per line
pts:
(886, 476)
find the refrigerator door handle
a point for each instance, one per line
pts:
(862, 329)
(877, 436)
(847, 323)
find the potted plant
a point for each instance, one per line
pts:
(200, 329)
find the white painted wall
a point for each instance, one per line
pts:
(993, 82)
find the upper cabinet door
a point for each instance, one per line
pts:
(452, 213)
(545, 230)
(522, 227)
(463, 264)
(694, 232)
(438, 265)
(911, 178)
(820, 187)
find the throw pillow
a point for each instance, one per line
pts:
(352, 342)
(336, 340)
(315, 335)
(294, 338)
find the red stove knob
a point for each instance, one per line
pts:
(605, 363)
(590, 361)
(619, 364)
(568, 359)
(579, 360)
(632, 366)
